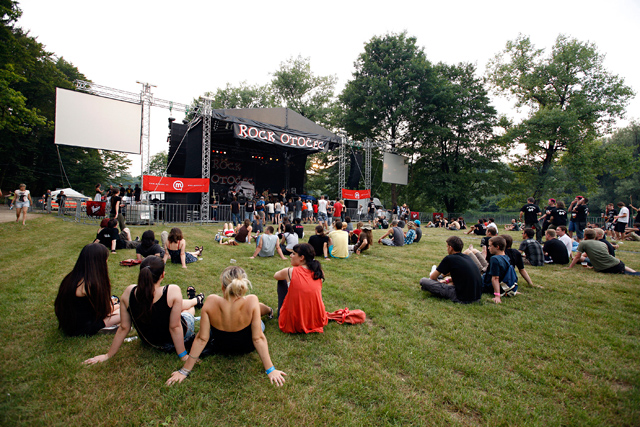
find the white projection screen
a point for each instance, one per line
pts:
(90, 121)
(395, 169)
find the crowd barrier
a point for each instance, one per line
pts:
(167, 213)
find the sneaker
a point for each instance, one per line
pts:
(507, 290)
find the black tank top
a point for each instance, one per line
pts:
(155, 330)
(239, 342)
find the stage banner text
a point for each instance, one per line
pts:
(175, 185)
(355, 194)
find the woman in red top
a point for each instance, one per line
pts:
(300, 306)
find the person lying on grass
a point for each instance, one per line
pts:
(599, 256)
(175, 248)
(465, 284)
(300, 306)
(84, 304)
(161, 317)
(231, 325)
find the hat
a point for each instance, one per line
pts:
(367, 227)
(552, 200)
(579, 197)
(417, 222)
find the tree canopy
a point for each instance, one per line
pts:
(572, 99)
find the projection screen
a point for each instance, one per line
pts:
(90, 121)
(395, 169)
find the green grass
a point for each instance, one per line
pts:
(564, 355)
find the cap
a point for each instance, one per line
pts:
(552, 200)
(417, 222)
(579, 197)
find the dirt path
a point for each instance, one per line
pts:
(7, 215)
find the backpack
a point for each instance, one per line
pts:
(509, 283)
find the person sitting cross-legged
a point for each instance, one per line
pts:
(599, 256)
(397, 234)
(515, 259)
(465, 284)
(555, 251)
(267, 245)
(531, 249)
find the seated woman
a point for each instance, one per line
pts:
(364, 241)
(410, 235)
(355, 234)
(175, 248)
(289, 240)
(242, 234)
(463, 225)
(231, 325)
(84, 304)
(300, 306)
(320, 242)
(161, 317)
(149, 246)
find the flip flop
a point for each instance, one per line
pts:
(191, 292)
(200, 298)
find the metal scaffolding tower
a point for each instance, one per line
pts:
(205, 111)
(342, 166)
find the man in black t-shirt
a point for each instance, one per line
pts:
(235, 211)
(555, 252)
(371, 210)
(464, 285)
(116, 202)
(579, 211)
(549, 212)
(531, 212)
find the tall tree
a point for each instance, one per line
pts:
(29, 76)
(296, 87)
(457, 155)
(158, 164)
(380, 100)
(572, 99)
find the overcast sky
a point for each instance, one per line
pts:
(189, 47)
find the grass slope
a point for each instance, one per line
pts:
(563, 355)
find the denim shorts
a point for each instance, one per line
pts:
(322, 216)
(191, 324)
(20, 205)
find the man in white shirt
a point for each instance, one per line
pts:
(561, 230)
(621, 220)
(322, 212)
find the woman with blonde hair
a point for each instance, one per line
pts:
(231, 325)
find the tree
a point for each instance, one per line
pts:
(29, 76)
(457, 155)
(379, 101)
(296, 87)
(572, 99)
(158, 164)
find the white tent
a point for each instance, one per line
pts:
(69, 192)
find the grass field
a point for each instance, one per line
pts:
(567, 354)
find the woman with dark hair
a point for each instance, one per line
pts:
(175, 248)
(149, 246)
(231, 325)
(300, 306)
(161, 317)
(289, 239)
(84, 304)
(320, 242)
(364, 241)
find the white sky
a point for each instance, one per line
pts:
(189, 47)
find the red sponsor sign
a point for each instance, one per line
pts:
(415, 215)
(355, 194)
(175, 185)
(96, 208)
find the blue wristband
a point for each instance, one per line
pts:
(183, 354)
(271, 369)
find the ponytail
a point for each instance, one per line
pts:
(306, 251)
(151, 270)
(237, 288)
(235, 282)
